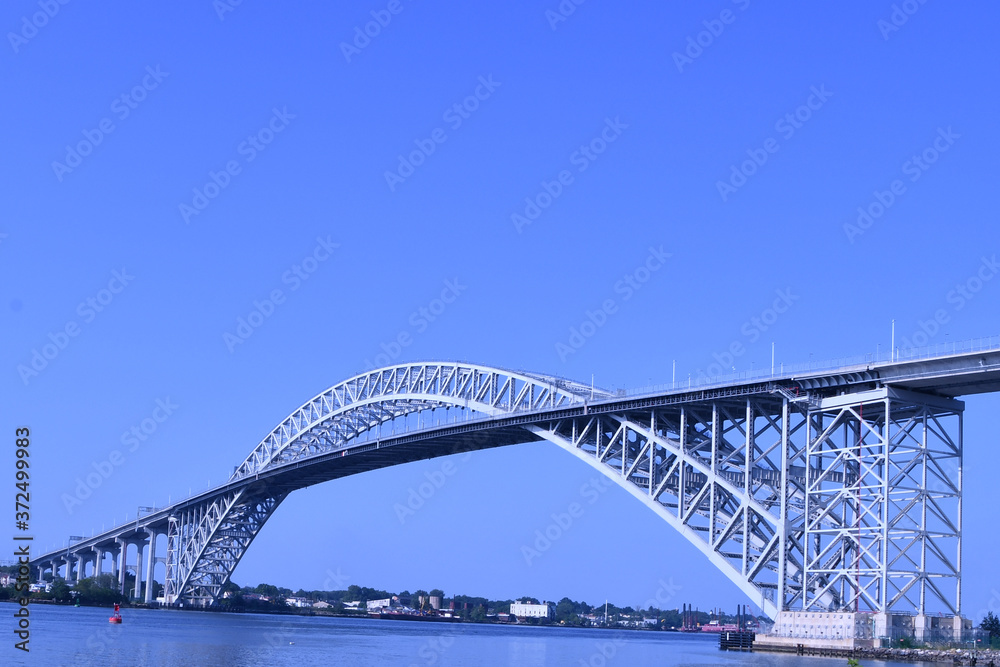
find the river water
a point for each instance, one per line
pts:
(82, 636)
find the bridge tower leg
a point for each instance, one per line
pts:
(205, 542)
(883, 503)
(170, 583)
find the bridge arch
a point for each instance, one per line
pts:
(205, 543)
(334, 418)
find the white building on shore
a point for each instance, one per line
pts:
(530, 610)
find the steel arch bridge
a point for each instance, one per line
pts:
(825, 491)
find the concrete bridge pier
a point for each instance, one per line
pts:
(150, 565)
(137, 590)
(122, 550)
(98, 561)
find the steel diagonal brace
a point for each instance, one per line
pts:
(837, 422)
(694, 504)
(197, 543)
(735, 522)
(936, 510)
(674, 467)
(940, 554)
(639, 459)
(253, 520)
(903, 591)
(940, 595)
(614, 436)
(831, 468)
(692, 535)
(582, 435)
(766, 554)
(706, 470)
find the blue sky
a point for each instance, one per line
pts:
(251, 140)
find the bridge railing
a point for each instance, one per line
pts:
(880, 356)
(983, 344)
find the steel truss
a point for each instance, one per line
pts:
(345, 411)
(884, 502)
(849, 502)
(206, 542)
(880, 485)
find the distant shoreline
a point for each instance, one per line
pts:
(329, 614)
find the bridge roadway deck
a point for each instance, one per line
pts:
(948, 375)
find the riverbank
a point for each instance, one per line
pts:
(979, 657)
(987, 657)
